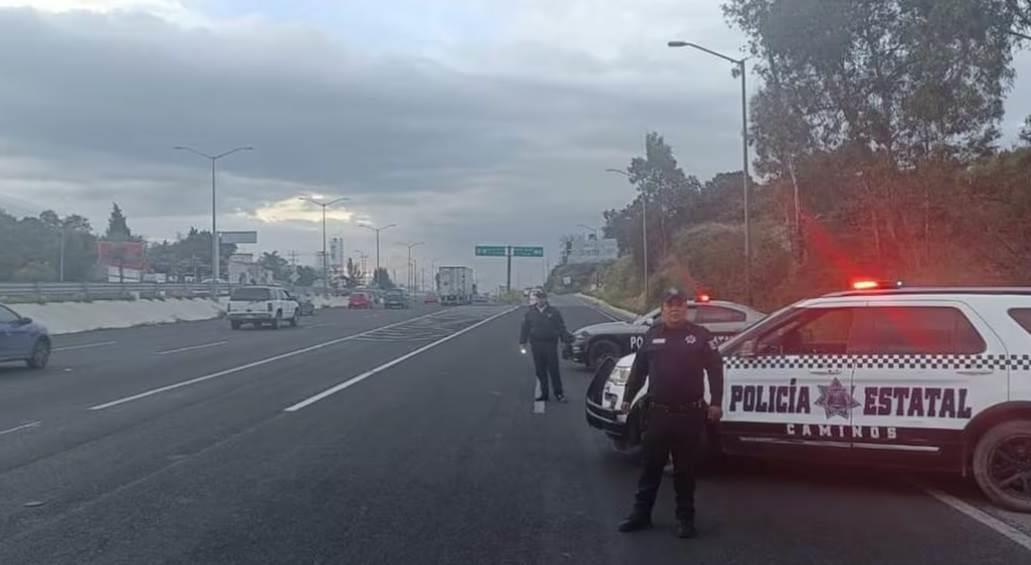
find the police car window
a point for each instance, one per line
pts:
(1022, 316)
(7, 316)
(718, 314)
(816, 331)
(918, 330)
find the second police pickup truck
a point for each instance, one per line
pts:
(593, 344)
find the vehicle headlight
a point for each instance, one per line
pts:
(581, 335)
(619, 375)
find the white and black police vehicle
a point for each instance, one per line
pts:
(927, 378)
(593, 344)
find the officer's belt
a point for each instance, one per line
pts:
(693, 405)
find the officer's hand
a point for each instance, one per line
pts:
(715, 413)
(625, 408)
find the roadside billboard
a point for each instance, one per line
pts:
(589, 250)
(125, 254)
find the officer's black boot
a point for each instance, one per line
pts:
(637, 520)
(685, 529)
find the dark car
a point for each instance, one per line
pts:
(359, 300)
(395, 299)
(593, 344)
(21, 339)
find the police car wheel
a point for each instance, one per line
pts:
(1002, 465)
(600, 351)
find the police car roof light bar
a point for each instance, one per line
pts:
(871, 284)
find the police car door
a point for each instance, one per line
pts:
(925, 368)
(788, 385)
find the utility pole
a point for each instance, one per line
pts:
(61, 258)
(377, 230)
(214, 227)
(411, 277)
(325, 256)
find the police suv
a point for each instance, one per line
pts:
(930, 378)
(595, 343)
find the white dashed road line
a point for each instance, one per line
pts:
(21, 427)
(84, 346)
(1013, 534)
(355, 380)
(244, 367)
(193, 347)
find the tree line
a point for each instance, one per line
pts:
(876, 140)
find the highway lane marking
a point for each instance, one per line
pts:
(243, 367)
(192, 347)
(355, 380)
(600, 311)
(21, 427)
(1013, 534)
(322, 325)
(84, 346)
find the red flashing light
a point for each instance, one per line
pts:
(704, 297)
(865, 285)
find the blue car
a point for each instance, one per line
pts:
(21, 339)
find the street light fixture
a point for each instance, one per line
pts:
(744, 155)
(377, 230)
(214, 227)
(325, 262)
(644, 227)
(410, 246)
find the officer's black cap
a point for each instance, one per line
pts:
(539, 293)
(674, 295)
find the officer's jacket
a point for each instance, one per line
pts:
(546, 325)
(675, 360)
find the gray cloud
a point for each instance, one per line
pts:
(456, 149)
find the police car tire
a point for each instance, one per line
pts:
(983, 454)
(600, 350)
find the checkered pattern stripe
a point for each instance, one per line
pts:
(1018, 362)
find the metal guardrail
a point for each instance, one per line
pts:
(55, 292)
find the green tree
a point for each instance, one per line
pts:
(354, 273)
(279, 266)
(117, 226)
(306, 276)
(381, 279)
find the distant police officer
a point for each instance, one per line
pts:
(543, 327)
(675, 356)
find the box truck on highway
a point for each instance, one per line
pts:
(455, 285)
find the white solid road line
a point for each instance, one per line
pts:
(246, 366)
(21, 427)
(192, 347)
(84, 346)
(355, 380)
(1013, 534)
(600, 311)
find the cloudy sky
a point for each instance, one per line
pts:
(461, 121)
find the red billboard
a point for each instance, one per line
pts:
(126, 254)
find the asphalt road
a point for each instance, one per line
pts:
(401, 437)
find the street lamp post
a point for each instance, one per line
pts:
(744, 156)
(214, 225)
(325, 262)
(377, 230)
(644, 227)
(410, 246)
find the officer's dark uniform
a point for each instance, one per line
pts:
(675, 360)
(543, 329)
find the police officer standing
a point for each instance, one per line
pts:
(543, 327)
(675, 356)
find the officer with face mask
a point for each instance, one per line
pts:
(543, 327)
(675, 356)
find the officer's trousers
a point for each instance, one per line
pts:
(678, 433)
(545, 362)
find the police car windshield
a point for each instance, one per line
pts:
(733, 343)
